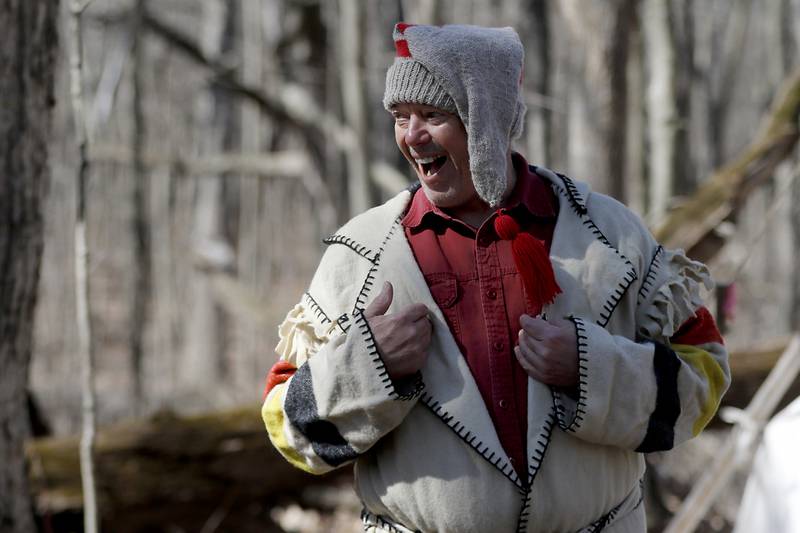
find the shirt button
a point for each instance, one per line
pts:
(498, 346)
(492, 294)
(503, 404)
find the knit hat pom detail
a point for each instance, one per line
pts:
(532, 262)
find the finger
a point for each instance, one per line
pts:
(530, 343)
(536, 357)
(538, 328)
(525, 363)
(382, 301)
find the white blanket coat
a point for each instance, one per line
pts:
(426, 453)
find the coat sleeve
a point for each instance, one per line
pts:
(329, 397)
(662, 388)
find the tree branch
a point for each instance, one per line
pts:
(691, 226)
(294, 108)
(288, 163)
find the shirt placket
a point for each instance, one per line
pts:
(498, 349)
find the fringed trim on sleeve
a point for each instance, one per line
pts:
(676, 298)
(301, 336)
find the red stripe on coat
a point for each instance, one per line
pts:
(699, 329)
(279, 373)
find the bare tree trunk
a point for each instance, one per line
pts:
(682, 24)
(616, 132)
(661, 109)
(538, 79)
(351, 37)
(790, 38)
(202, 355)
(794, 217)
(596, 89)
(83, 315)
(728, 41)
(140, 310)
(425, 12)
(28, 39)
(635, 116)
(249, 238)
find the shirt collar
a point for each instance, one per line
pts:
(530, 193)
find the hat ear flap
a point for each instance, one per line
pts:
(519, 119)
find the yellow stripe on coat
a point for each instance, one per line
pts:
(705, 365)
(272, 413)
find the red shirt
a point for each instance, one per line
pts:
(472, 277)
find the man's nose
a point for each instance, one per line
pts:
(417, 132)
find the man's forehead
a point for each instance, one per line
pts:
(411, 106)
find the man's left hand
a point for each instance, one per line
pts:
(548, 351)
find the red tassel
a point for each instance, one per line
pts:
(532, 261)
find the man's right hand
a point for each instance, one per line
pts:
(402, 337)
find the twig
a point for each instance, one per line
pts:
(78, 7)
(81, 280)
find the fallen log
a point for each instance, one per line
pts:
(172, 470)
(750, 366)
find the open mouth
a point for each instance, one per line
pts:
(431, 165)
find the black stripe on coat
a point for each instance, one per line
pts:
(301, 409)
(661, 426)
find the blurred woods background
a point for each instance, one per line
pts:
(226, 138)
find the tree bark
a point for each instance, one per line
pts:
(661, 106)
(28, 40)
(203, 359)
(595, 87)
(82, 313)
(538, 77)
(140, 227)
(351, 26)
(249, 360)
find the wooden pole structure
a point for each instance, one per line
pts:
(740, 443)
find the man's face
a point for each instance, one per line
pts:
(435, 143)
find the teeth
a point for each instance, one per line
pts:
(425, 160)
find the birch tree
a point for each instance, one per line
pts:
(661, 108)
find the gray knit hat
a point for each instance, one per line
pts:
(474, 72)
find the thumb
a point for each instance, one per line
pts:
(382, 301)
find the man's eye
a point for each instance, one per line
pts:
(400, 120)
